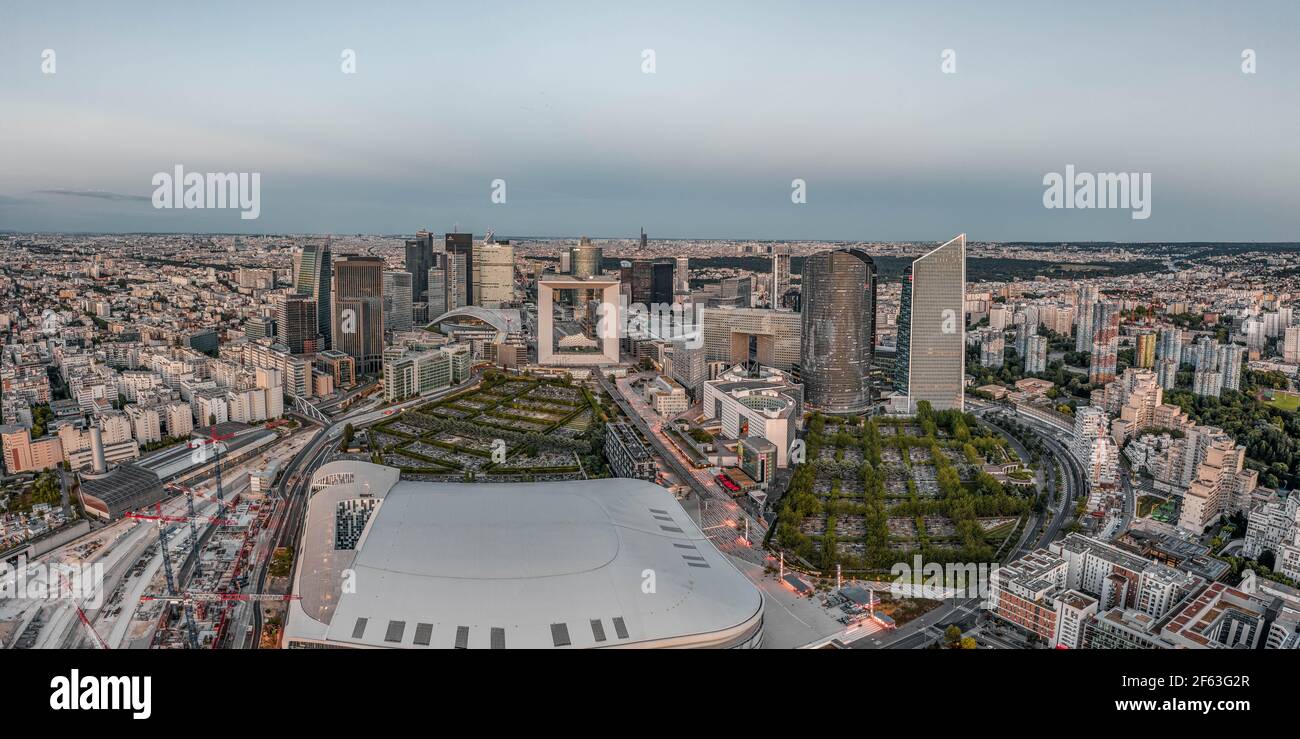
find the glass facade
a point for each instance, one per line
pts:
(838, 329)
(932, 329)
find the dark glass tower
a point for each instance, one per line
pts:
(460, 270)
(839, 329)
(419, 260)
(359, 311)
(314, 278)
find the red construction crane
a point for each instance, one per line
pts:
(81, 615)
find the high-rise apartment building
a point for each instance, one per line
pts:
(1144, 352)
(1105, 343)
(1085, 298)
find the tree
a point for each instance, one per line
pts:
(952, 636)
(968, 642)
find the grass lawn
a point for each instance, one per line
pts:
(1285, 402)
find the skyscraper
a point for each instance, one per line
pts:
(1105, 343)
(647, 281)
(419, 260)
(838, 329)
(496, 272)
(780, 281)
(313, 277)
(585, 259)
(931, 330)
(397, 300)
(295, 323)
(461, 290)
(437, 300)
(644, 239)
(359, 311)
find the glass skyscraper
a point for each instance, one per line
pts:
(313, 278)
(930, 364)
(838, 333)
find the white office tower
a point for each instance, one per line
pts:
(437, 293)
(397, 300)
(495, 275)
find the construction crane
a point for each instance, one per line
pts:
(85, 621)
(191, 632)
(213, 438)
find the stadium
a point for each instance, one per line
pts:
(386, 563)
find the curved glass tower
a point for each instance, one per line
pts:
(839, 329)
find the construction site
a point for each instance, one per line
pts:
(174, 575)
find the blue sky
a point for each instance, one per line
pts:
(746, 96)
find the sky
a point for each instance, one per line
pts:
(552, 98)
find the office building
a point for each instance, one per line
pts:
(838, 330)
(313, 277)
(739, 335)
(459, 270)
(359, 311)
(397, 301)
(419, 260)
(930, 362)
(628, 456)
(495, 284)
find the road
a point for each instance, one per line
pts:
(716, 511)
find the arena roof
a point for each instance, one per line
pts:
(125, 488)
(612, 562)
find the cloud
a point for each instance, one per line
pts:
(98, 194)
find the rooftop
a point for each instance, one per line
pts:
(525, 565)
